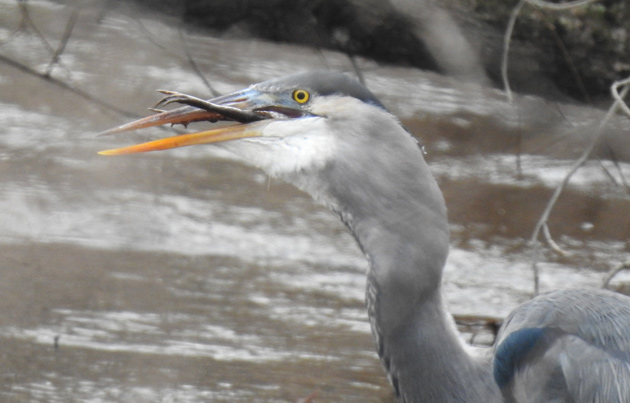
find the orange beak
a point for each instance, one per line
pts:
(210, 136)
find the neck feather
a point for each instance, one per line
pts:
(393, 206)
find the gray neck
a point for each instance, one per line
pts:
(396, 211)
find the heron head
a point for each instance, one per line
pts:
(290, 127)
(275, 111)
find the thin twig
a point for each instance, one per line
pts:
(510, 29)
(506, 48)
(614, 271)
(576, 165)
(322, 57)
(621, 182)
(64, 40)
(607, 172)
(569, 60)
(65, 86)
(562, 6)
(21, 25)
(150, 37)
(357, 69)
(624, 182)
(194, 64)
(614, 89)
(29, 22)
(552, 244)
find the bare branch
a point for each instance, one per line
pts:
(24, 19)
(614, 89)
(561, 6)
(194, 64)
(510, 29)
(542, 222)
(506, 48)
(621, 182)
(568, 59)
(64, 40)
(552, 244)
(624, 182)
(28, 22)
(65, 86)
(580, 161)
(150, 37)
(357, 69)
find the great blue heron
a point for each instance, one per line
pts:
(331, 137)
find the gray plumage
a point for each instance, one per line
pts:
(332, 138)
(581, 351)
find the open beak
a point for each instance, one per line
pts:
(248, 107)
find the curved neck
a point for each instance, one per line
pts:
(380, 185)
(398, 217)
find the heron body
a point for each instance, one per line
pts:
(331, 137)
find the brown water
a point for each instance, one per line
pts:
(185, 276)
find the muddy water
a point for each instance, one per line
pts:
(186, 276)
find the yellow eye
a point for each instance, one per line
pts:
(301, 96)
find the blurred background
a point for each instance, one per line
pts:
(185, 276)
